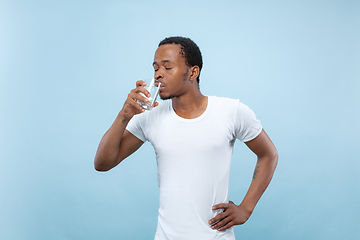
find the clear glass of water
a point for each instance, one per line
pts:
(153, 86)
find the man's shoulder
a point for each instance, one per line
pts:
(224, 101)
(225, 104)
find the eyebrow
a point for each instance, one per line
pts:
(163, 61)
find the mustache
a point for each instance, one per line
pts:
(157, 83)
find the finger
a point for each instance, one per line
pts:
(228, 225)
(218, 218)
(140, 83)
(142, 90)
(221, 223)
(220, 206)
(134, 104)
(136, 96)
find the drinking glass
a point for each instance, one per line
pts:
(154, 92)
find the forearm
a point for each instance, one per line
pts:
(237, 215)
(263, 173)
(108, 151)
(262, 176)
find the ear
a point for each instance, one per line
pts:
(194, 72)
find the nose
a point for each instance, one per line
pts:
(158, 75)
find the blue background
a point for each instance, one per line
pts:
(66, 68)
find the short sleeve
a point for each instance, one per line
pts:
(247, 127)
(136, 126)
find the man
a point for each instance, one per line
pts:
(193, 136)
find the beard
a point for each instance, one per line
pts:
(168, 97)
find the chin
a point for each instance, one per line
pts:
(164, 97)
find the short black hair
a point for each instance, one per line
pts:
(190, 51)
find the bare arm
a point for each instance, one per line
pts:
(118, 143)
(267, 159)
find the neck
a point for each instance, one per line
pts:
(190, 105)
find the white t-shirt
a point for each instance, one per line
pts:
(193, 159)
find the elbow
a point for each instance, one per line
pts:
(101, 169)
(100, 166)
(104, 164)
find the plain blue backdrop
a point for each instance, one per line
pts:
(66, 68)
